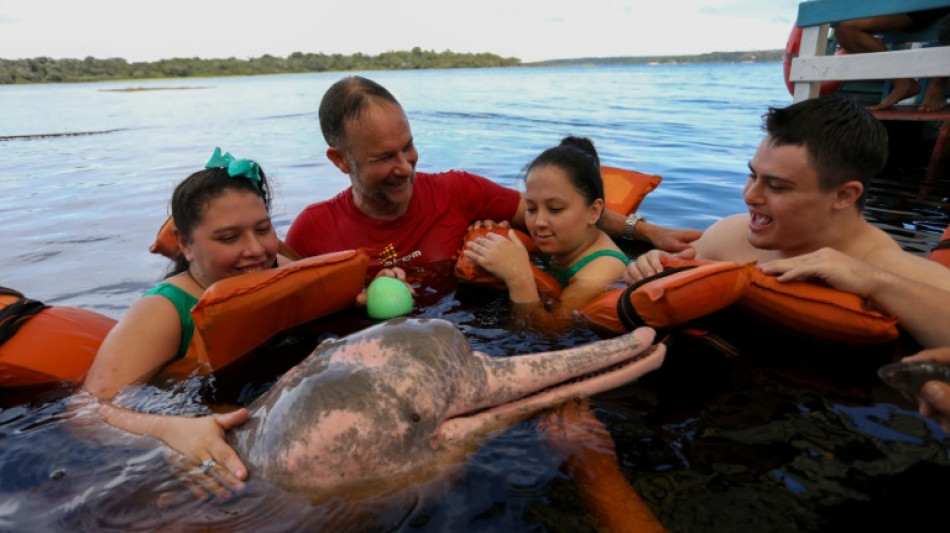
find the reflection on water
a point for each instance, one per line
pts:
(786, 436)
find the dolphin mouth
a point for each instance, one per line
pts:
(583, 385)
(588, 376)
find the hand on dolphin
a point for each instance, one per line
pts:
(199, 440)
(934, 398)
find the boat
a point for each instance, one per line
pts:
(865, 77)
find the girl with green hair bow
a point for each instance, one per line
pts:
(224, 229)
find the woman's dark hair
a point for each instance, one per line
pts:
(578, 158)
(193, 195)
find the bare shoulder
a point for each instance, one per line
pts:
(725, 240)
(151, 321)
(146, 338)
(914, 267)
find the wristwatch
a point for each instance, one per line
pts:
(631, 223)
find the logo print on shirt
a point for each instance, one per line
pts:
(388, 255)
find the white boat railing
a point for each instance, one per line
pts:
(812, 66)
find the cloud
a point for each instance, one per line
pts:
(529, 29)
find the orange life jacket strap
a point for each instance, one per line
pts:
(16, 313)
(626, 312)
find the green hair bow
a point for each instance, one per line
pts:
(236, 167)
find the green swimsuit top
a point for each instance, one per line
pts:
(564, 275)
(183, 303)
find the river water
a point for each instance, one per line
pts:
(786, 436)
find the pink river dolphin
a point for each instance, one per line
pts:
(368, 430)
(399, 403)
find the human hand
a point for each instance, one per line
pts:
(669, 239)
(934, 398)
(391, 272)
(205, 462)
(837, 269)
(651, 263)
(488, 224)
(506, 258)
(572, 428)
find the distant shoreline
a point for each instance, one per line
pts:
(48, 70)
(136, 89)
(760, 56)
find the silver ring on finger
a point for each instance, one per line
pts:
(207, 465)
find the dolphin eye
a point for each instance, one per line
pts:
(415, 417)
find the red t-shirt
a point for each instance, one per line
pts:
(442, 207)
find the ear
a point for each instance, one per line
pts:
(847, 194)
(595, 211)
(183, 245)
(338, 158)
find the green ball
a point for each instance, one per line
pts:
(388, 298)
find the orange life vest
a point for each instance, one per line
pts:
(468, 271)
(233, 316)
(236, 315)
(808, 309)
(682, 293)
(625, 189)
(54, 344)
(696, 288)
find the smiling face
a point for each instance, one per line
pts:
(787, 208)
(557, 215)
(380, 158)
(234, 236)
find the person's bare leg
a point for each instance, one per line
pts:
(935, 97)
(903, 88)
(857, 37)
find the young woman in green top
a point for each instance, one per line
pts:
(564, 194)
(224, 229)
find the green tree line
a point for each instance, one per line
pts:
(48, 70)
(764, 56)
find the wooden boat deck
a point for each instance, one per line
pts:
(911, 112)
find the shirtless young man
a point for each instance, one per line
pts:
(805, 192)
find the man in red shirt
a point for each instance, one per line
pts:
(408, 219)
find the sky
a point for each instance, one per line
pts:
(531, 30)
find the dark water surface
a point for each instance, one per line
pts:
(784, 434)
